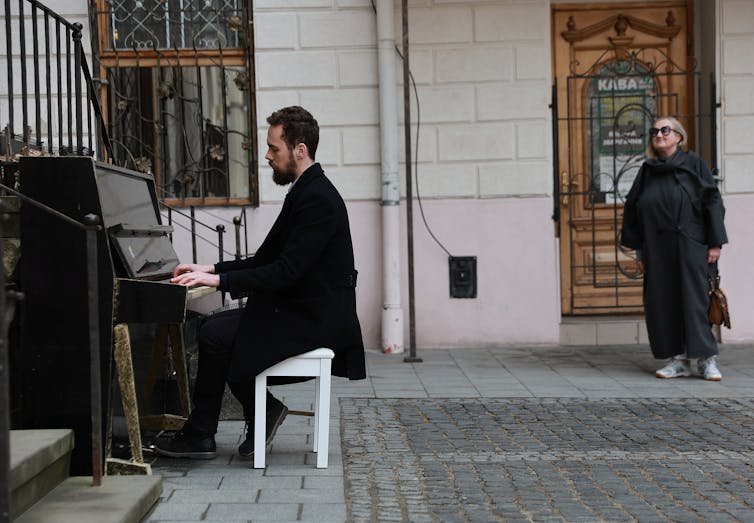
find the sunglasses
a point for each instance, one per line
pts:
(665, 130)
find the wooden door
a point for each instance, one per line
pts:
(616, 67)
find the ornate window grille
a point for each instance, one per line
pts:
(177, 93)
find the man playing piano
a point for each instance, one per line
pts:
(300, 289)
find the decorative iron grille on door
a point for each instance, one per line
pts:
(177, 93)
(615, 76)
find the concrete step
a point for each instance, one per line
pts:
(120, 499)
(40, 461)
(603, 330)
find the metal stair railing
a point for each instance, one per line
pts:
(57, 68)
(90, 227)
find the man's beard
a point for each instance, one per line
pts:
(287, 175)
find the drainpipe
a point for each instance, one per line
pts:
(392, 313)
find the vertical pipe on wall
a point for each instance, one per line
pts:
(392, 311)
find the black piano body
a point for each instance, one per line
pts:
(135, 257)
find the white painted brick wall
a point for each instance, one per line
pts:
(342, 106)
(268, 101)
(329, 151)
(357, 69)
(482, 71)
(736, 31)
(361, 145)
(427, 149)
(358, 182)
(482, 141)
(737, 53)
(738, 132)
(301, 69)
(738, 94)
(346, 28)
(531, 138)
(502, 23)
(739, 173)
(291, 4)
(521, 100)
(476, 64)
(422, 67)
(443, 181)
(529, 60)
(737, 16)
(445, 104)
(276, 30)
(514, 178)
(439, 25)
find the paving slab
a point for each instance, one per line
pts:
(509, 434)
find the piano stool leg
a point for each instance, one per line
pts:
(155, 363)
(179, 364)
(124, 368)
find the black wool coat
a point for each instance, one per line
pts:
(673, 214)
(300, 285)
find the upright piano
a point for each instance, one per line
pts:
(135, 261)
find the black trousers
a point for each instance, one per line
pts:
(216, 338)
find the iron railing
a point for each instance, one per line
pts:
(89, 228)
(8, 301)
(597, 153)
(60, 109)
(51, 107)
(178, 85)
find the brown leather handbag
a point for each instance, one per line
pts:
(718, 312)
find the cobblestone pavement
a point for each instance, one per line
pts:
(548, 460)
(555, 434)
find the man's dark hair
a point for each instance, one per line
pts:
(299, 126)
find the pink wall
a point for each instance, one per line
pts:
(736, 274)
(517, 278)
(512, 238)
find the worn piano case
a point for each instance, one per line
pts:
(54, 368)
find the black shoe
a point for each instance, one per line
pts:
(187, 444)
(276, 413)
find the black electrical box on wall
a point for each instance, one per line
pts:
(462, 276)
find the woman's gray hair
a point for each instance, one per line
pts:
(677, 126)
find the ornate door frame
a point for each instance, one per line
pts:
(616, 67)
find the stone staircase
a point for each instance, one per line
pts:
(42, 491)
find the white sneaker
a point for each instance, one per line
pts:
(708, 369)
(676, 368)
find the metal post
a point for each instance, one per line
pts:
(237, 226)
(409, 192)
(24, 84)
(220, 231)
(555, 157)
(4, 395)
(92, 221)
(78, 56)
(193, 234)
(714, 106)
(9, 63)
(170, 222)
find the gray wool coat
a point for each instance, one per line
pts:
(673, 214)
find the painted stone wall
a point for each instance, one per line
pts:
(736, 72)
(484, 153)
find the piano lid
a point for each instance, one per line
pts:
(131, 216)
